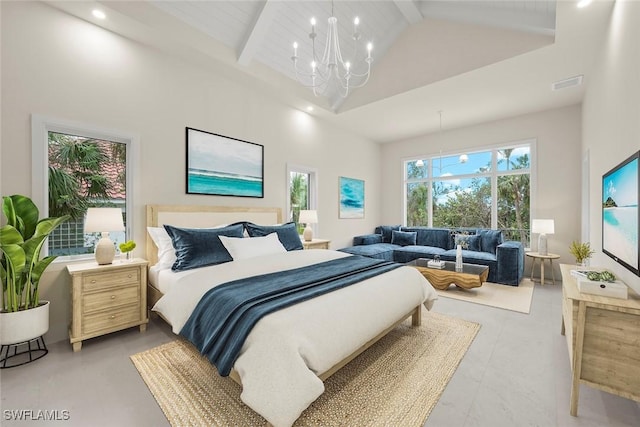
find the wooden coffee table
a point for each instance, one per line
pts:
(471, 276)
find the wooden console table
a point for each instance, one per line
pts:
(602, 337)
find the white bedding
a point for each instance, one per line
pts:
(283, 354)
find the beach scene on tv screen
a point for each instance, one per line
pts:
(620, 213)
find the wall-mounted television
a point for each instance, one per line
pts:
(620, 216)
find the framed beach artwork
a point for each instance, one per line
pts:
(223, 166)
(351, 198)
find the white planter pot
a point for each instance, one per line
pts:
(24, 325)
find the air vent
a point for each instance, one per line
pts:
(571, 81)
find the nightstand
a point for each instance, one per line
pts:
(107, 298)
(316, 244)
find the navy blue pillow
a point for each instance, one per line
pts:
(386, 231)
(287, 233)
(490, 239)
(404, 238)
(199, 247)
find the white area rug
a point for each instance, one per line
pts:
(514, 298)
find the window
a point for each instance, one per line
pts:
(301, 192)
(484, 189)
(76, 167)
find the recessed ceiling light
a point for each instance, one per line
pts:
(310, 108)
(584, 3)
(98, 14)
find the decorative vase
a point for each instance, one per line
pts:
(459, 258)
(24, 325)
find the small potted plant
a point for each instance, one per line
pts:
(126, 248)
(581, 252)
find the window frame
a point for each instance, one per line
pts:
(493, 175)
(40, 127)
(313, 189)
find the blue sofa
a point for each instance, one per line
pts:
(480, 246)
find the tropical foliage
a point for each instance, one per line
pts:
(83, 173)
(21, 241)
(76, 173)
(299, 196)
(468, 202)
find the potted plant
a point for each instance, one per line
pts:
(581, 252)
(23, 316)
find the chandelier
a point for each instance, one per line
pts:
(331, 67)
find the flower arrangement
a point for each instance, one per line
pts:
(127, 247)
(581, 251)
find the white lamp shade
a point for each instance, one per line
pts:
(542, 226)
(308, 217)
(103, 219)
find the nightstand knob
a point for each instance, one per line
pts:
(113, 297)
(113, 316)
(93, 281)
(130, 276)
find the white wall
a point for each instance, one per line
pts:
(611, 117)
(557, 187)
(57, 65)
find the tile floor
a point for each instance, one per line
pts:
(516, 373)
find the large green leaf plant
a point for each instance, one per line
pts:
(21, 241)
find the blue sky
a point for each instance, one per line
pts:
(220, 154)
(622, 185)
(451, 165)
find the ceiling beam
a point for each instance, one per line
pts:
(409, 10)
(258, 32)
(521, 19)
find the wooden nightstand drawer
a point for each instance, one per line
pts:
(107, 298)
(97, 281)
(316, 244)
(111, 298)
(108, 320)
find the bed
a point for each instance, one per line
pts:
(289, 353)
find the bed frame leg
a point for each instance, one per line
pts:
(416, 317)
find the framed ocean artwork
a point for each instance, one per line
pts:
(223, 166)
(351, 198)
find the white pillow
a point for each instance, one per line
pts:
(166, 252)
(243, 248)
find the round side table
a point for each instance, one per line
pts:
(537, 256)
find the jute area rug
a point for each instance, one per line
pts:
(396, 382)
(514, 298)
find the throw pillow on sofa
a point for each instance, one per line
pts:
(469, 242)
(386, 231)
(489, 240)
(404, 238)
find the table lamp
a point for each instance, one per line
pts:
(543, 227)
(104, 220)
(308, 217)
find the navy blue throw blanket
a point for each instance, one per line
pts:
(225, 315)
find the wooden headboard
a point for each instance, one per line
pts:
(202, 217)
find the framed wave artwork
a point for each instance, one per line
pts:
(223, 166)
(351, 198)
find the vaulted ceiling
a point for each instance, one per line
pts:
(474, 60)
